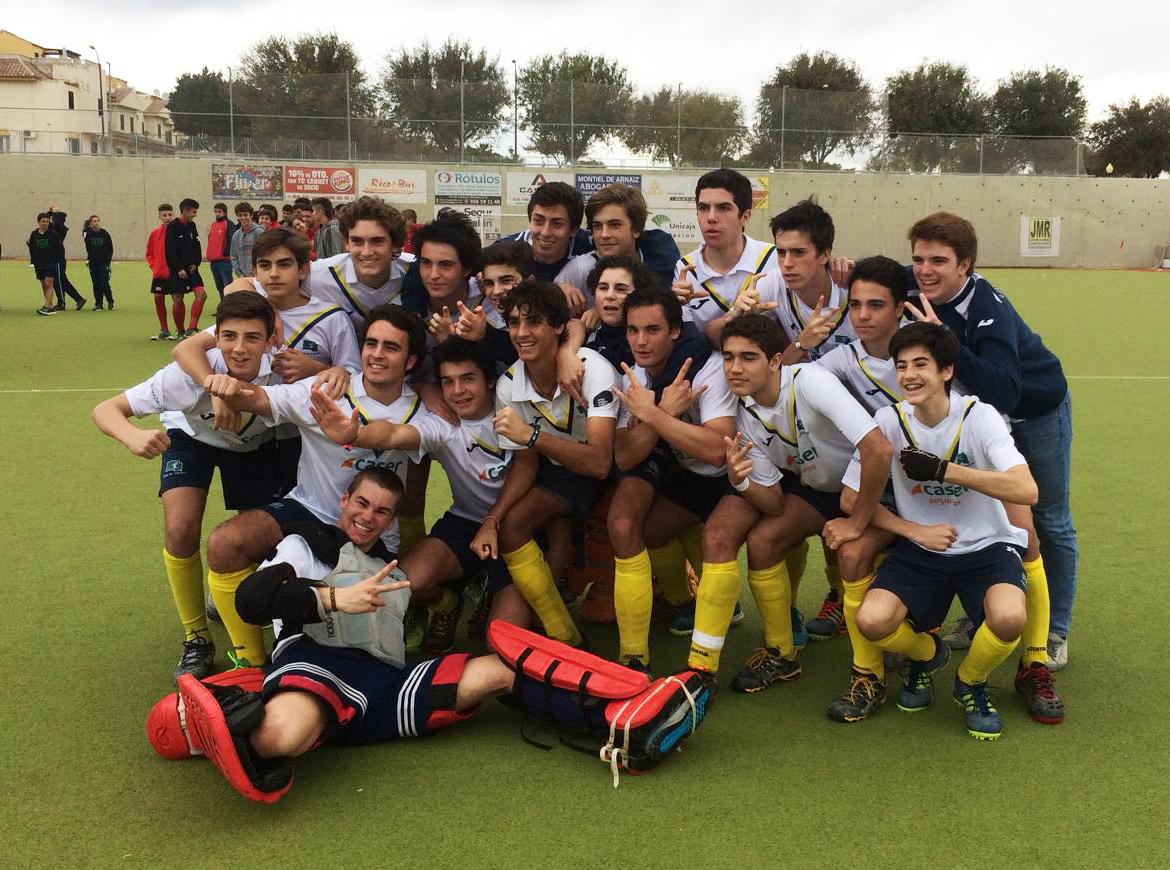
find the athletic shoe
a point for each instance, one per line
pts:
(166, 723)
(799, 633)
(198, 658)
(162, 336)
(636, 664)
(684, 624)
(645, 728)
(187, 333)
(1057, 652)
(439, 637)
(220, 718)
(865, 694)
(80, 305)
(959, 637)
(829, 621)
(918, 684)
(97, 308)
(213, 611)
(765, 667)
(45, 311)
(111, 306)
(983, 722)
(1034, 682)
(60, 306)
(413, 629)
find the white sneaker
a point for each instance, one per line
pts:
(1057, 652)
(959, 637)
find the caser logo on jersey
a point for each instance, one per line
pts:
(492, 473)
(363, 464)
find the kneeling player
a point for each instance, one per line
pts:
(191, 450)
(338, 674)
(957, 462)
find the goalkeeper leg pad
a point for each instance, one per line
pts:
(166, 724)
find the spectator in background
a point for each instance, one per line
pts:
(64, 286)
(45, 254)
(266, 217)
(411, 217)
(328, 240)
(304, 210)
(99, 251)
(243, 239)
(219, 240)
(287, 213)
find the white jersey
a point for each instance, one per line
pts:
(871, 380)
(722, 289)
(473, 459)
(792, 314)
(326, 468)
(560, 416)
(972, 434)
(577, 270)
(184, 405)
(717, 401)
(812, 430)
(335, 280)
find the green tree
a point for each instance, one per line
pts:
(200, 108)
(1029, 108)
(686, 128)
(573, 101)
(934, 116)
(296, 89)
(1133, 138)
(421, 93)
(823, 105)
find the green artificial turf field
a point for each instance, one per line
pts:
(90, 639)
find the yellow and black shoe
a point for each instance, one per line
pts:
(865, 694)
(765, 667)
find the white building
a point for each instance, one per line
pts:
(51, 102)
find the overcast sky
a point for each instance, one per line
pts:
(1120, 49)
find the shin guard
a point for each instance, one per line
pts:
(166, 723)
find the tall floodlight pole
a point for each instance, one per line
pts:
(102, 101)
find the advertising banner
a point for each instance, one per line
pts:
(1039, 236)
(396, 186)
(669, 191)
(591, 182)
(246, 181)
(456, 187)
(680, 223)
(522, 184)
(338, 183)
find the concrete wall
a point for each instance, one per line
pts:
(1106, 223)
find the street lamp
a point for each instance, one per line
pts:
(102, 98)
(515, 113)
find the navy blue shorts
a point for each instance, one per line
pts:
(288, 451)
(53, 270)
(928, 582)
(695, 493)
(161, 286)
(179, 285)
(371, 701)
(827, 504)
(579, 493)
(288, 512)
(457, 533)
(249, 480)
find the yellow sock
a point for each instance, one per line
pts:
(795, 561)
(692, 541)
(833, 576)
(534, 579)
(1035, 635)
(713, 608)
(186, 579)
(915, 645)
(247, 639)
(669, 567)
(867, 655)
(770, 587)
(410, 532)
(987, 651)
(633, 599)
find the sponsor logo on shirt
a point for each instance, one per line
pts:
(605, 397)
(363, 464)
(492, 473)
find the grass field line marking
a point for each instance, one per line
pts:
(68, 390)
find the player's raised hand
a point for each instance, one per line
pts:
(440, 326)
(638, 399)
(840, 531)
(739, 463)
(293, 364)
(339, 427)
(818, 327)
(511, 425)
(227, 418)
(925, 314)
(366, 596)
(591, 320)
(333, 382)
(224, 386)
(472, 323)
(678, 395)
(839, 269)
(571, 374)
(683, 287)
(148, 443)
(575, 298)
(747, 301)
(938, 538)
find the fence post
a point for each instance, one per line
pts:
(572, 136)
(678, 130)
(462, 121)
(1079, 168)
(231, 113)
(348, 134)
(980, 155)
(783, 112)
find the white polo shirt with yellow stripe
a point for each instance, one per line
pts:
(810, 432)
(722, 289)
(873, 381)
(560, 416)
(334, 280)
(792, 314)
(972, 434)
(326, 468)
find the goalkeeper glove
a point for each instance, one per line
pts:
(920, 465)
